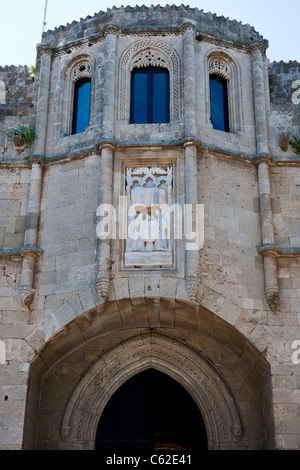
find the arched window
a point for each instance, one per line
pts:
(219, 113)
(81, 105)
(150, 95)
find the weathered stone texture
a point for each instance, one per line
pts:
(13, 206)
(17, 107)
(285, 112)
(233, 305)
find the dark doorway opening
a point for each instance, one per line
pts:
(151, 412)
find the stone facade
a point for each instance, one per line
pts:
(79, 315)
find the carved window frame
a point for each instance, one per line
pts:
(145, 53)
(223, 65)
(80, 67)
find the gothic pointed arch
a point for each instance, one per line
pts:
(149, 53)
(152, 350)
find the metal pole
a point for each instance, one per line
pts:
(45, 15)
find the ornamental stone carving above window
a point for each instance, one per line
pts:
(81, 70)
(149, 58)
(219, 67)
(149, 53)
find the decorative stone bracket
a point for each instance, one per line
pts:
(192, 284)
(25, 292)
(270, 254)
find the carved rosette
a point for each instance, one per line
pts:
(192, 284)
(102, 286)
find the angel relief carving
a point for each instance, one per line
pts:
(149, 197)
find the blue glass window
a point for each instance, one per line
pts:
(81, 108)
(219, 103)
(150, 96)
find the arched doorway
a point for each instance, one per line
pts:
(112, 370)
(151, 411)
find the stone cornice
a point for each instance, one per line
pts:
(279, 251)
(145, 31)
(156, 15)
(44, 49)
(84, 152)
(20, 252)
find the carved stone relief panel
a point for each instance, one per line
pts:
(149, 199)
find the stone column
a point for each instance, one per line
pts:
(42, 102)
(30, 251)
(109, 81)
(262, 150)
(189, 83)
(105, 197)
(190, 150)
(260, 111)
(191, 197)
(268, 248)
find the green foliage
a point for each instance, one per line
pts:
(199, 37)
(295, 143)
(32, 69)
(26, 133)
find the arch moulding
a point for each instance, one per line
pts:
(144, 53)
(183, 364)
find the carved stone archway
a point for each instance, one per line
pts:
(183, 364)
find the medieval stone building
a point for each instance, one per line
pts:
(123, 325)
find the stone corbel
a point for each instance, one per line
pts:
(25, 292)
(237, 431)
(65, 432)
(102, 286)
(270, 255)
(192, 284)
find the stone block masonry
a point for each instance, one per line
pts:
(76, 322)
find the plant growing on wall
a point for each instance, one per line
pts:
(295, 143)
(32, 70)
(21, 134)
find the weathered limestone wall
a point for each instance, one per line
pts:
(67, 231)
(13, 205)
(285, 104)
(245, 312)
(14, 369)
(286, 205)
(16, 106)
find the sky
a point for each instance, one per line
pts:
(22, 22)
